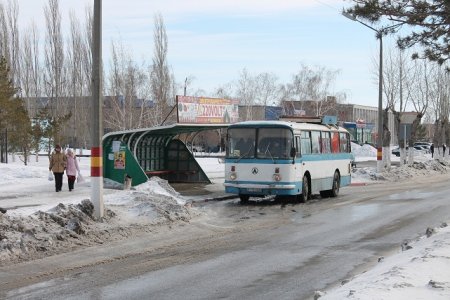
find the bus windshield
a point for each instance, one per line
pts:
(241, 142)
(272, 143)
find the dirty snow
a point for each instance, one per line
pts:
(41, 222)
(420, 271)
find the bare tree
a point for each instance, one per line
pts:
(419, 93)
(268, 89)
(129, 103)
(115, 119)
(54, 56)
(4, 36)
(31, 74)
(312, 83)
(224, 91)
(83, 129)
(440, 106)
(396, 72)
(160, 78)
(75, 80)
(246, 92)
(14, 45)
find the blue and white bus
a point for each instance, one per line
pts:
(287, 158)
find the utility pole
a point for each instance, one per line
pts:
(97, 114)
(379, 35)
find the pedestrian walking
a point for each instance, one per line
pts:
(432, 150)
(58, 162)
(443, 148)
(72, 168)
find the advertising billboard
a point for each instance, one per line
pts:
(203, 110)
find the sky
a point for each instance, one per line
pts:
(213, 41)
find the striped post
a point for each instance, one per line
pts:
(96, 162)
(97, 180)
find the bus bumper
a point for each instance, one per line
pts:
(262, 189)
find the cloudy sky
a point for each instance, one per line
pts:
(213, 41)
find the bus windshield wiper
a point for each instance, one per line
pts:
(268, 151)
(245, 154)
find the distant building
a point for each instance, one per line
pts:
(360, 120)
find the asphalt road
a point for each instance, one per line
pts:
(263, 250)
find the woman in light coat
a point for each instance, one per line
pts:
(57, 166)
(72, 168)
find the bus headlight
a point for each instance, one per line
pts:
(277, 177)
(233, 176)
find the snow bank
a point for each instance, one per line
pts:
(419, 270)
(68, 226)
(13, 172)
(365, 150)
(419, 168)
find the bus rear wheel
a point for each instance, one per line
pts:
(304, 196)
(334, 192)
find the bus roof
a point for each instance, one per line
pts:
(287, 124)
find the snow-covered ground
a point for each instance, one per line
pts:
(41, 222)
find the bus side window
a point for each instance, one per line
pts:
(305, 143)
(344, 142)
(315, 141)
(326, 142)
(335, 142)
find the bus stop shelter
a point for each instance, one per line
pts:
(158, 151)
(163, 150)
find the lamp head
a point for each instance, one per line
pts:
(349, 16)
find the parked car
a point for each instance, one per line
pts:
(425, 146)
(396, 151)
(422, 144)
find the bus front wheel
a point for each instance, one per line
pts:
(304, 196)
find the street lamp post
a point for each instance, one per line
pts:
(379, 34)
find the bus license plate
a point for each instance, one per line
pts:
(254, 190)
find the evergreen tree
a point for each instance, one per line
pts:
(429, 21)
(13, 115)
(7, 93)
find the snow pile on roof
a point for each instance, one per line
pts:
(365, 150)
